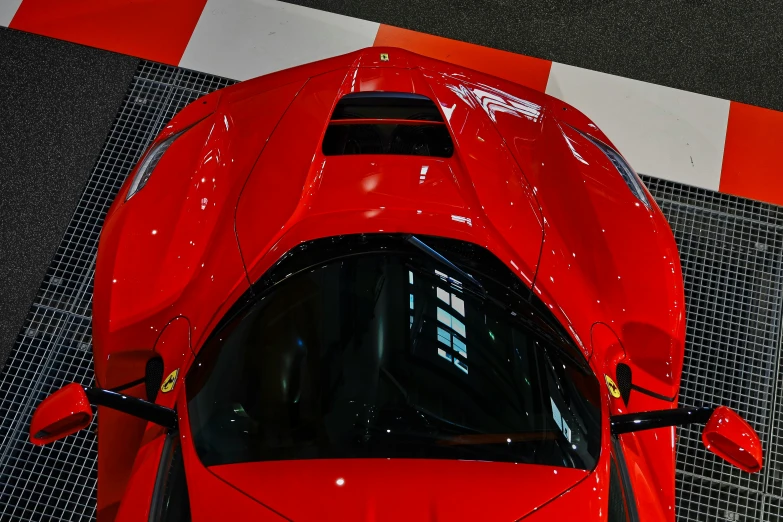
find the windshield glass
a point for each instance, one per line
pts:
(364, 346)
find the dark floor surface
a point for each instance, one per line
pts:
(57, 102)
(726, 48)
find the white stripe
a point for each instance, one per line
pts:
(8, 9)
(242, 39)
(663, 132)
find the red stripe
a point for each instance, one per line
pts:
(518, 68)
(155, 30)
(751, 155)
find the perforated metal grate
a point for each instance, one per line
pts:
(57, 482)
(732, 256)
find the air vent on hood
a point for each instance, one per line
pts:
(387, 123)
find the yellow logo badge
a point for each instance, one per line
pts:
(171, 380)
(613, 389)
(384, 57)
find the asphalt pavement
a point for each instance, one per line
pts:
(730, 49)
(57, 102)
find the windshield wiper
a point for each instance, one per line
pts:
(424, 247)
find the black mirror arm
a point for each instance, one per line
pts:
(649, 420)
(142, 409)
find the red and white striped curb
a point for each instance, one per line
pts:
(664, 132)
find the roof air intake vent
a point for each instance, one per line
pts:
(387, 123)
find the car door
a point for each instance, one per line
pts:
(622, 504)
(156, 488)
(170, 500)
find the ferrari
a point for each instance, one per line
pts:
(383, 287)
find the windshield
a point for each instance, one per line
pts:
(369, 346)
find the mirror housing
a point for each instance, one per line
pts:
(62, 413)
(730, 437)
(68, 410)
(726, 433)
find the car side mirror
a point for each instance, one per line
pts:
(730, 437)
(726, 434)
(62, 413)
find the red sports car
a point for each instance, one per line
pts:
(383, 287)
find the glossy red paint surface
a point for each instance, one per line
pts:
(370, 489)
(649, 455)
(138, 493)
(248, 182)
(729, 436)
(119, 437)
(122, 435)
(174, 349)
(62, 413)
(524, 70)
(204, 486)
(587, 500)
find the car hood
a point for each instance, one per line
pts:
(250, 182)
(295, 193)
(399, 489)
(522, 182)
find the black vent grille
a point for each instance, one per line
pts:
(623, 374)
(387, 123)
(153, 376)
(386, 106)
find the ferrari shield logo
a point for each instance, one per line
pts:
(384, 57)
(169, 382)
(613, 389)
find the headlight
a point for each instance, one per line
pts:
(628, 174)
(149, 163)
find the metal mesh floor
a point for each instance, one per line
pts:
(732, 257)
(731, 251)
(57, 482)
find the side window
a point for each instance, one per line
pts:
(622, 505)
(170, 498)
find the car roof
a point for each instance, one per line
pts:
(522, 182)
